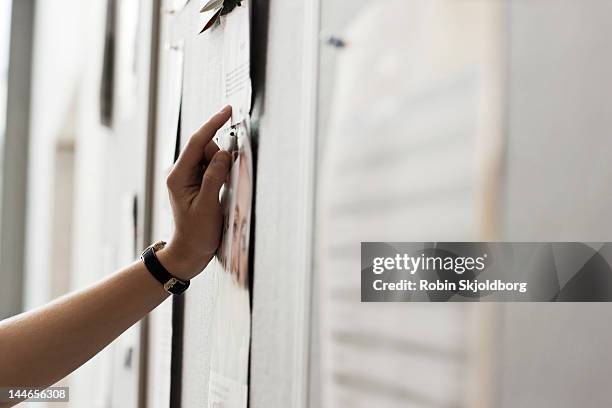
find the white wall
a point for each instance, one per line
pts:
(66, 79)
(5, 18)
(558, 188)
(59, 42)
(14, 125)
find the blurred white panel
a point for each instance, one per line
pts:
(401, 160)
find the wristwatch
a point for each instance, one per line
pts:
(171, 284)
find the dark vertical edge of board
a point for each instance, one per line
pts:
(259, 41)
(107, 80)
(176, 365)
(178, 310)
(260, 13)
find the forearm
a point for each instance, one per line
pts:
(41, 347)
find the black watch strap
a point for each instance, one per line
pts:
(171, 284)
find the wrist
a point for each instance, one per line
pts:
(180, 265)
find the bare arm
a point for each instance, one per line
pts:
(40, 347)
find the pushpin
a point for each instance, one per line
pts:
(335, 41)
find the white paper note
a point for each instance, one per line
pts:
(224, 392)
(237, 62)
(168, 142)
(126, 348)
(160, 355)
(172, 100)
(127, 56)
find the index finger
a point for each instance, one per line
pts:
(194, 152)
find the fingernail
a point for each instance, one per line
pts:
(226, 109)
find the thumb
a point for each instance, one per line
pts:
(214, 177)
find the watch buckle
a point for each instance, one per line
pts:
(170, 284)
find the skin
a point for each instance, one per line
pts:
(40, 347)
(239, 258)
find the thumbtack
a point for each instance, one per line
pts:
(334, 41)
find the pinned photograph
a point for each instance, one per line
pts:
(231, 321)
(237, 195)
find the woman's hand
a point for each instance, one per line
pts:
(193, 185)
